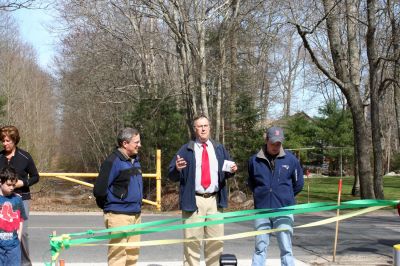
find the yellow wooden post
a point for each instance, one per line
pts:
(158, 179)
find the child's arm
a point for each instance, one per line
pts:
(20, 230)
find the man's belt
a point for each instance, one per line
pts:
(206, 195)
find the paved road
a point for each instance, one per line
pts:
(363, 240)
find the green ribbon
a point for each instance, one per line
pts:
(93, 236)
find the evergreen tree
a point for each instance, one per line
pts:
(322, 138)
(162, 126)
(246, 139)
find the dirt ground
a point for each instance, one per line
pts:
(62, 196)
(52, 195)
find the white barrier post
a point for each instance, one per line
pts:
(396, 255)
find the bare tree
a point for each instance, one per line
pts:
(288, 69)
(29, 95)
(345, 31)
(225, 30)
(7, 5)
(344, 79)
(205, 54)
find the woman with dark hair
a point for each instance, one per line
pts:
(28, 175)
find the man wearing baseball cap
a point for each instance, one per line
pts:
(275, 178)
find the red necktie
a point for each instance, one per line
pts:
(205, 168)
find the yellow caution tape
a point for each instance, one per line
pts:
(239, 235)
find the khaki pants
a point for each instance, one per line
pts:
(212, 249)
(25, 259)
(120, 256)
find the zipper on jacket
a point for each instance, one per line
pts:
(270, 168)
(279, 174)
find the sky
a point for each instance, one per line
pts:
(33, 23)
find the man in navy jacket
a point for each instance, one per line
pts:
(275, 178)
(198, 199)
(119, 192)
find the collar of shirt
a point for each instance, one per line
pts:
(200, 144)
(127, 158)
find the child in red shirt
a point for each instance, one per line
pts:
(12, 215)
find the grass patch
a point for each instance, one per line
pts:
(320, 189)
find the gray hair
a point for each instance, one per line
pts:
(197, 117)
(126, 134)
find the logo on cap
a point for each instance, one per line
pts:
(275, 134)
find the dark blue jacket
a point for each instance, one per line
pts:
(119, 186)
(186, 177)
(274, 185)
(23, 163)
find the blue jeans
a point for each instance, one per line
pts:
(284, 239)
(10, 257)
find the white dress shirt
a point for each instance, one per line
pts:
(212, 158)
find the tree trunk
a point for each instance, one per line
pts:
(233, 75)
(396, 69)
(201, 14)
(363, 145)
(374, 88)
(227, 30)
(355, 191)
(219, 87)
(354, 60)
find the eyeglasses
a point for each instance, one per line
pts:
(202, 126)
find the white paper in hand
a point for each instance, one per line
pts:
(227, 166)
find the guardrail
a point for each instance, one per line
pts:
(156, 175)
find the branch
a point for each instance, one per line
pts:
(385, 83)
(319, 21)
(314, 58)
(15, 5)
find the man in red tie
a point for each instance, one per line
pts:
(198, 166)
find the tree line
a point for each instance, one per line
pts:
(27, 96)
(155, 64)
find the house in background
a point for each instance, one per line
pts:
(313, 154)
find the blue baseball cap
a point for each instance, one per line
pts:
(275, 134)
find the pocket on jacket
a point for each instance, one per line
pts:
(284, 175)
(121, 184)
(136, 190)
